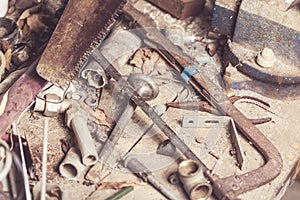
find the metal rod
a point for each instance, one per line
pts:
(148, 110)
(44, 159)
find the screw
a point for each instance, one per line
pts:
(266, 58)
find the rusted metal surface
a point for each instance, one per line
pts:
(180, 8)
(260, 24)
(229, 187)
(81, 27)
(224, 16)
(20, 95)
(251, 69)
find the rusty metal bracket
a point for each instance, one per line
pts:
(228, 187)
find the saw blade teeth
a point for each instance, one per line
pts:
(101, 36)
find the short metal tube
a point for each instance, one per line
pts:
(76, 118)
(71, 167)
(191, 176)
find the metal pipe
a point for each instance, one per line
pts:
(76, 118)
(44, 160)
(192, 178)
(71, 167)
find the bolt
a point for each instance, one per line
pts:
(266, 58)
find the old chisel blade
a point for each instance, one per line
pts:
(83, 25)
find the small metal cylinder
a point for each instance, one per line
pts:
(71, 167)
(191, 176)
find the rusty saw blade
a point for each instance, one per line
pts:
(83, 25)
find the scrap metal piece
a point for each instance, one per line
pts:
(82, 26)
(147, 109)
(166, 148)
(71, 167)
(173, 178)
(143, 172)
(94, 74)
(192, 178)
(228, 187)
(217, 122)
(116, 50)
(194, 105)
(282, 75)
(224, 16)
(108, 157)
(180, 8)
(10, 80)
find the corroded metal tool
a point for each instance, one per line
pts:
(83, 25)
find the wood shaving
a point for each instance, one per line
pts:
(140, 57)
(101, 118)
(98, 116)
